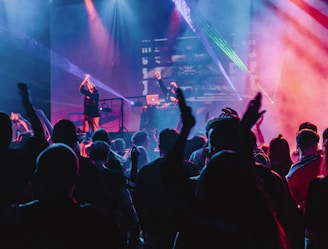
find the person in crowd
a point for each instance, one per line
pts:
(150, 199)
(18, 164)
(54, 219)
(90, 120)
(194, 143)
(275, 188)
(228, 209)
(115, 161)
(305, 125)
(119, 146)
(309, 166)
(64, 131)
(279, 154)
(315, 216)
(113, 195)
(139, 139)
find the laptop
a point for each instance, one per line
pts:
(152, 99)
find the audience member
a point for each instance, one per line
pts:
(194, 143)
(54, 219)
(151, 201)
(113, 194)
(309, 166)
(18, 164)
(316, 216)
(305, 125)
(279, 154)
(119, 146)
(140, 139)
(115, 161)
(228, 209)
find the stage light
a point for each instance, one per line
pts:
(136, 104)
(105, 109)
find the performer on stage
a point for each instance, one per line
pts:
(90, 120)
(170, 94)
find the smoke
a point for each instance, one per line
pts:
(292, 68)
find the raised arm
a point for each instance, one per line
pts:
(172, 171)
(259, 135)
(161, 84)
(38, 141)
(134, 164)
(250, 117)
(84, 82)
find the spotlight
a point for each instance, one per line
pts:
(136, 104)
(105, 109)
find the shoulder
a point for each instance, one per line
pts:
(152, 165)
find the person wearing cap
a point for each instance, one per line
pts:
(309, 166)
(305, 125)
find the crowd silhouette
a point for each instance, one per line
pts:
(224, 188)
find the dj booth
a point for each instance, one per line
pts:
(159, 117)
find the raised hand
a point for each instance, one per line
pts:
(187, 118)
(227, 111)
(158, 75)
(253, 112)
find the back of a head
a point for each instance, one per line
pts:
(306, 138)
(99, 150)
(64, 131)
(279, 151)
(224, 134)
(262, 159)
(119, 145)
(139, 138)
(6, 130)
(57, 168)
(102, 135)
(308, 125)
(167, 139)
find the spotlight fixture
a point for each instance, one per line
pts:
(136, 104)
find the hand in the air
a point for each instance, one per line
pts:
(253, 112)
(188, 120)
(158, 75)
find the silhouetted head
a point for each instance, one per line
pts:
(167, 139)
(306, 138)
(64, 131)
(102, 135)
(56, 170)
(140, 138)
(308, 125)
(99, 150)
(119, 145)
(279, 150)
(223, 134)
(6, 130)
